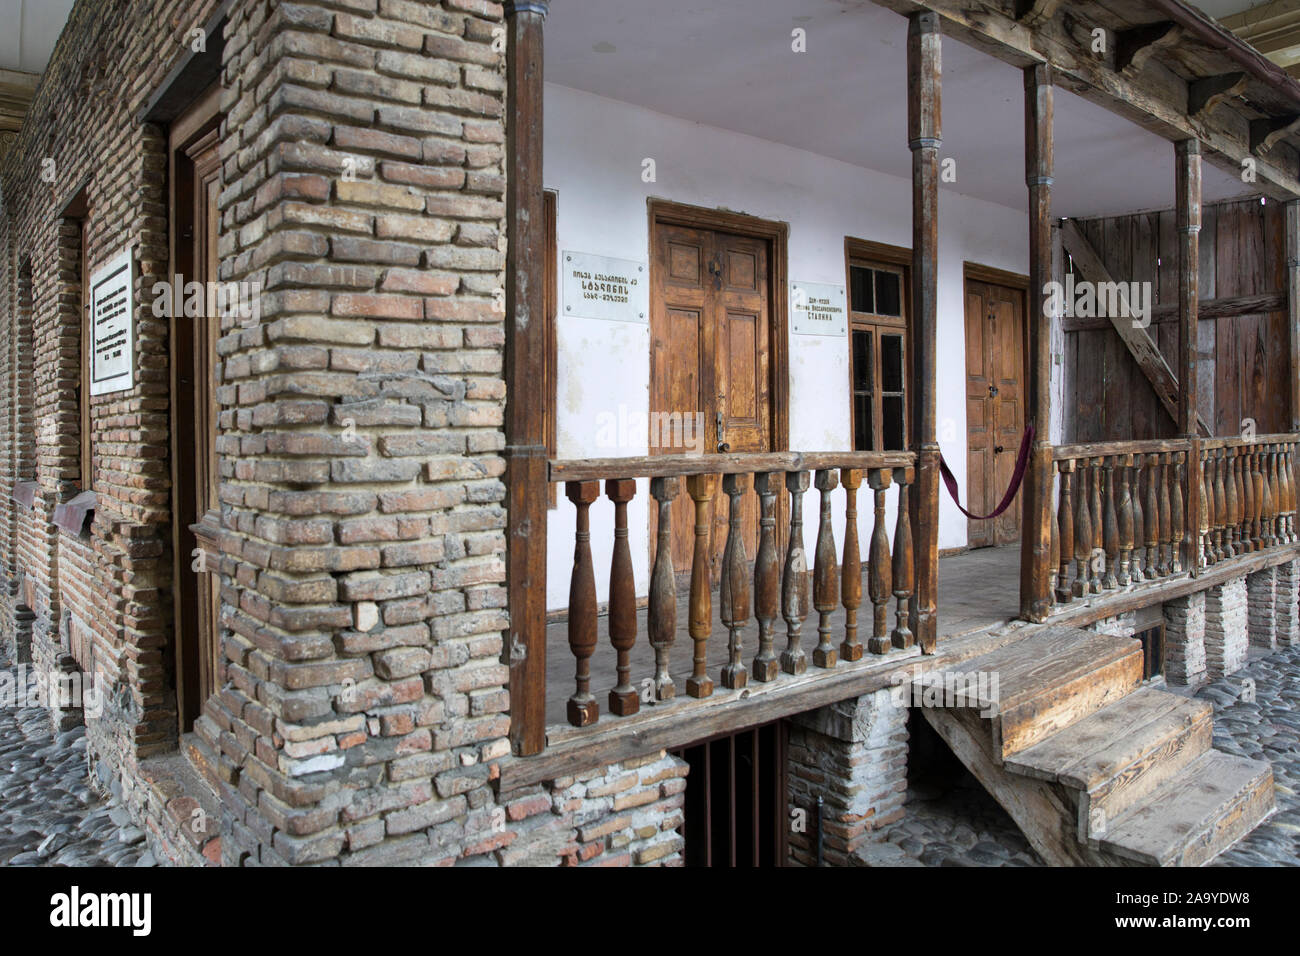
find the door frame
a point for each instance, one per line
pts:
(663, 212)
(192, 122)
(976, 272)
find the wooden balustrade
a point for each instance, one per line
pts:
(772, 585)
(1121, 513)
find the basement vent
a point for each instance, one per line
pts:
(1153, 651)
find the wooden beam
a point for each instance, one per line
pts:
(1266, 132)
(1155, 100)
(1208, 92)
(1187, 189)
(525, 365)
(1228, 307)
(1031, 12)
(1133, 47)
(924, 135)
(1144, 351)
(1036, 495)
(1293, 305)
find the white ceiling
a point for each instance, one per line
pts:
(729, 64)
(30, 28)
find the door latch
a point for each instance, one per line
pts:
(723, 447)
(993, 389)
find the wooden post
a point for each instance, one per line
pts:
(524, 365)
(1036, 535)
(1187, 177)
(623, 699)
(1293, 303)
(924, 134)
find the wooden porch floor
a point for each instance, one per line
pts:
(977, 590)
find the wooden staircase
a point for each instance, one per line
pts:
(1096, 769)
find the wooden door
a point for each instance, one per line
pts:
(995, 415)
(196, 185)
(710, 331)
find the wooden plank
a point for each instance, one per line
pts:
(669, 466)
(924, 133)
(1137, 340)
(525, 365)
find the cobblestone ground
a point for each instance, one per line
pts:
(49, 815)
(961, 825)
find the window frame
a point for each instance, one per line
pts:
(862, 253)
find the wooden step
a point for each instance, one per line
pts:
(1209, 805)
(1047, 681)
(1120, 754)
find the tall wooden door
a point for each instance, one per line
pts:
(995, 413)
(196, 185)
(710, 325)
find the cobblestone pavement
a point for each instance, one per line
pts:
(49, 815)
(959, 824)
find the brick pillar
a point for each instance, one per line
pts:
(1261, 597)
(1286, 613)
(1225, 627)
(853, 754)
(1185, 639)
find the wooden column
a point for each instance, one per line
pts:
(1036, 534)
(1187, 175)
(924, 137)
(524, 366)
(1293, 304)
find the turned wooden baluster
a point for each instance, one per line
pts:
(1220, 506)
(1097, 556)
(826, 585)
(851, 566)
(701, 488)
(1288, 482)
(1232, 533)
(1270, 501)
(1054, 551)
(662, 616)
(1110, 527)
(582, 709)
(735, 583)
(1082, 536)
(1166, 543)
(794, 580)
(767, 577)
(1152, 513)
(1205, 547)
(1257, 501)
(1065, 517)
(879, 581)
(1125, 522)
(1247, 501)
(1279, 497)
(902, 638)
(1137, 563)
(1177, 514)
(623, 699)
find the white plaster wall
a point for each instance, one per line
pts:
(594, 149)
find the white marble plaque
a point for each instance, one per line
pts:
(818, 309)
(598, 287)
(112, 325)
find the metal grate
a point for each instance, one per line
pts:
(735, 812)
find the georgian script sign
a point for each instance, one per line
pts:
(598, 287)
(818, 309)
(112, 325)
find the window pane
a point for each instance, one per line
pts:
(863, 368)
(892, 412)
(889, 294)
(863, 436)
(860, 288)
(891, 363)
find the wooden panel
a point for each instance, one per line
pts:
(979, 425)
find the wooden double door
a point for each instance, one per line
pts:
(710, 363)
(995, 408)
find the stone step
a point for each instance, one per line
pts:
(1200, 812)
(1045, 682)
(1120, 754)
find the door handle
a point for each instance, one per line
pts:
(997, 449)
(993, 389)
(723, 447)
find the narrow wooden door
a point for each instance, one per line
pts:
(995, 414)
(709, 363)
(196, 185)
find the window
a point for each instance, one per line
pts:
(878, 351)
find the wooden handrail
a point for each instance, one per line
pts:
(670, 466)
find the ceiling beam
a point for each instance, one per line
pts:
(1155, 100)
(1208, 92)
(1134, 47)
